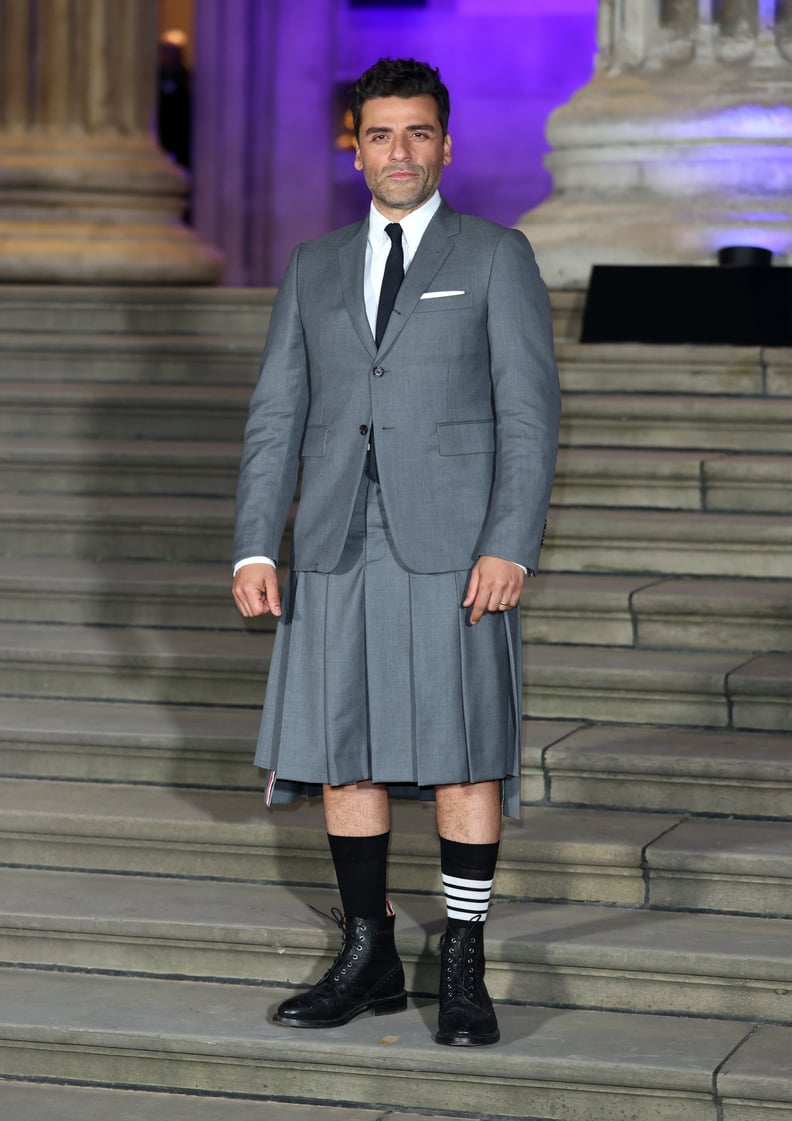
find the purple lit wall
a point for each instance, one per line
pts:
(507, 63)
(266, 173)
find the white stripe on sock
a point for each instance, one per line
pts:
(463, 893)
(457, 881)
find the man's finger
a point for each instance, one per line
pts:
(480, 605)
(272, 591)
(472, 588)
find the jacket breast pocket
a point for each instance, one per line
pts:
(314, 441)
(430, 302)
(466, 437)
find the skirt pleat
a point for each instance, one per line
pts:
(377, 674)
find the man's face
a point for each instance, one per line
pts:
(401, 152)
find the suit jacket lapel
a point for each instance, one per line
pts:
(436, 244)
(351, 262)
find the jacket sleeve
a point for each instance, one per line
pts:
(527, 403)
(276, 422)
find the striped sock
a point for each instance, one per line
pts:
(466, 900)
(468, 872)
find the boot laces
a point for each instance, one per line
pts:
(350, 947)
(462, 967)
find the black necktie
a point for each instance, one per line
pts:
(391, 281)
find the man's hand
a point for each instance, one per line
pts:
(495, 585)
(255, 590)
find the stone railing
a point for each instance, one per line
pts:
(659, 33)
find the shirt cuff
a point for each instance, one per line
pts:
(253, 560)
(526, 571)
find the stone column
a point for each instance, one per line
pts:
(86, 195)
(262, 151)
(679, 145)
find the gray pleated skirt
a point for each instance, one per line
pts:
(377, 674)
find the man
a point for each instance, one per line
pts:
(409, 365)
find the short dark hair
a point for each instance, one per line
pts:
(400, 77)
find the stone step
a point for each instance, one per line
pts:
(673, 480)
(123, 412)
(556, 607)
(35, 1101)
(134, 664)
(716, 689)
(605, 610)
(63, 310)
(644, 368)
(685, 770)
(697, 688)
(95, 741)
(689, 867)
(29, 465)
(121, 593)
(565, 763)
(679, 542)
(748, 483)
(170, 744)
(559, 955)
(229, 312)
(567, 307)
(778, 363)
(117, 528)
(578, 540)
(740, 424)
(719, 614)
(712, 689)
(138, 358)
(760, 425)
(569, 1065)
(187, 832)
(555, 854)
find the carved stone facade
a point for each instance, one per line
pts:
(680, 144)
(86, 195)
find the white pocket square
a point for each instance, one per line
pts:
(437, 295)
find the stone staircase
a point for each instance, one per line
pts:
(152, 911)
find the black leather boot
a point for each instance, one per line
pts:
(367, 975)
(467, 1018)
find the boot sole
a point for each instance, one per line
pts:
(463, 1039)
(383, 1007)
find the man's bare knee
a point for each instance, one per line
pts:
(360, 809)
(469, 811)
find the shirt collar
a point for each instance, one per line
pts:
(413, 226)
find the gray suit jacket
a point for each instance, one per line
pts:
(462, 396)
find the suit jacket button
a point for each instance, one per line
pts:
(363, 430)
(378, 371)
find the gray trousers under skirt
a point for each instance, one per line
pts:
(377, 674)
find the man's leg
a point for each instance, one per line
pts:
(367, 974)
(469, 812)
(357, 818)
(469, 822)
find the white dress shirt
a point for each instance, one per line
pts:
(378, 247)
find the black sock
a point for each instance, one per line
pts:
(468, 871)
(360, 867)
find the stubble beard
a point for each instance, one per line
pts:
(395, 196)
